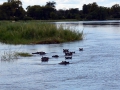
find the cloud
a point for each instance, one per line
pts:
(1, 1)
(110, 4)
(76, 4)
(67, 6)
(33, 2)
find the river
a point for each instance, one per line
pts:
(97, 67)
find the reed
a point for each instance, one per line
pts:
(11, 56)
(36, 32)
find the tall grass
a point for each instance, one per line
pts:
(36, 33)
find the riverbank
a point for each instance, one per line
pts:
(32, 32)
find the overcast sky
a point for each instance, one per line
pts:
(66, 4)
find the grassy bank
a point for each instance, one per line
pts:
(35, 33)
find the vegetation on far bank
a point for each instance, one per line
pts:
(36, 32)
(13, 10)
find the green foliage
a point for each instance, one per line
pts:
(13, 10)
(50, 4)
(35, 32)
(115, 11)
(38, 12)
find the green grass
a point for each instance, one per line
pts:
(36, 32)
(24, 54)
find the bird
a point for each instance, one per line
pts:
(64, 63)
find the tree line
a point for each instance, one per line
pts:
(13, 10)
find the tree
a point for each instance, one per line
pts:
(74, 12)
(89, 8)
(86, 9)
(61, 14)
(41, 12)
(115, 11)
(12, 10)
(101, 13)
(50, 4)
(34, 11)
(53, 15)
(93, 7)
(17, 2)
(95, 12)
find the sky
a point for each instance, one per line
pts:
(67, 4)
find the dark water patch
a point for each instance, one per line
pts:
(118, 23)
(5, 84)
(101, 23)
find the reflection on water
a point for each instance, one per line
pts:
(95, 68)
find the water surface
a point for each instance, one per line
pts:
(97, 67)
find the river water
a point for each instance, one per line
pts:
(97, 67)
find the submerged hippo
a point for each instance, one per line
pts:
(56, 56)
(64, 63)
(44, 59)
